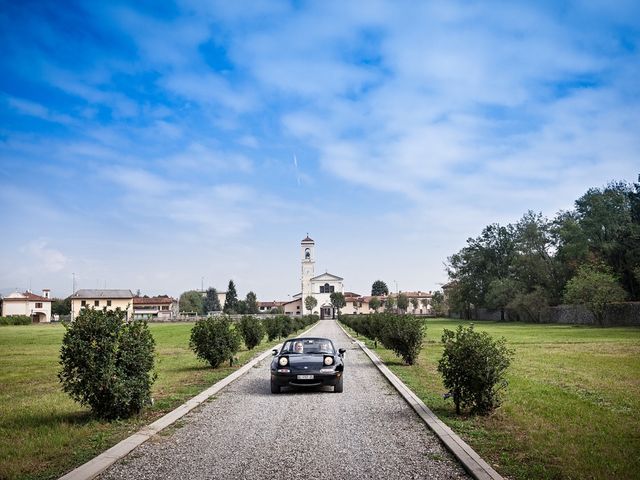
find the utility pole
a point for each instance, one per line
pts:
(73, 284)
(202, 284)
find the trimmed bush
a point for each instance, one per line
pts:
(16, 320)
(215, 340)
(107, 363)
(251, 330)
(403, 334)
(473, 367)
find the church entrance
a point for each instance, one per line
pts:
(326, 312)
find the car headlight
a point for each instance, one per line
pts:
(283, 362)
(328, 360)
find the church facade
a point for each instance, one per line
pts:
(319, 287)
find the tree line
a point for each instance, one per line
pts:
(193, 301)
(589, 255)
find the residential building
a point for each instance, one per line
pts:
(35, 306)
(106, 300)
(155, 308)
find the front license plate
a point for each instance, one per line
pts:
(305, 377)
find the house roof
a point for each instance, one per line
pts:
(21, 297)
(271, 304)
(107, 293)
(153, 300)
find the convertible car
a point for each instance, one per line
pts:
(307, 362)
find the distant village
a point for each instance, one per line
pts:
(165, 308)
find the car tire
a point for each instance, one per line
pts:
(275, 388)
(338, 386)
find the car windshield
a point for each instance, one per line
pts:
(308, 346)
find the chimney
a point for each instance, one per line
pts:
(46, 293)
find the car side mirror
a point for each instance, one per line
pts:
(274, 352)
(342, 351)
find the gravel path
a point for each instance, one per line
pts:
(246, 432)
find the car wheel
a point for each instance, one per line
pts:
(275, 388)
(338, 387)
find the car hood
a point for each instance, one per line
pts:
(310, 361)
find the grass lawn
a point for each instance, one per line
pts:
(43, 433)
(572, 409)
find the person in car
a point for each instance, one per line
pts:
(298, 347)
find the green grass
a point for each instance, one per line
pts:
(43, 433)
(572, 409)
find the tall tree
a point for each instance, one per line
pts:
(338, 300)
(374, 303)
(310, 303)
(252, 303)
(389, 303)
(61, 306)
(231, 299)
(379, 288)
(415, 303)
(437, 303)
(192, 302)
(211, 302)
(403, 302)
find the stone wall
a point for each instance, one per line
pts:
(617, 314)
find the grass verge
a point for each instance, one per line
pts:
(43, 433)
(572, 409)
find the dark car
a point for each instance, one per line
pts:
(307, 362)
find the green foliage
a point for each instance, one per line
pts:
(595, 287)
(231, 299)
(473, 367)
(379, 288)
(374, 303)
(415, 303)
(107, 363)
(192, 301)
(540, 255)
(403, 302)
(310, 303)
(403, 334)
(528, 306)
(389, 303)
(338, 300)
(251, 330)
(214, 340)
(211, 302)
(252, 303)
(282, 326)
(437, 303)
(16, 320)
(61, 306)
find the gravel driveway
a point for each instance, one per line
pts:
(246, 432)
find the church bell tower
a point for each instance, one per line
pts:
(308, 265)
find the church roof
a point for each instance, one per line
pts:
(326, 276)
(307, 240)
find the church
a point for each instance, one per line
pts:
(318, 286)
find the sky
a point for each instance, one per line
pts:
(163, 146)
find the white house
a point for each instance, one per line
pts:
(35, 306)
(106, 300)
(157, 308)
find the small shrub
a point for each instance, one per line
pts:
(403, 334)
(251, 330)
(214, 340)
(16, 320)
(473, 366)
(107, 363)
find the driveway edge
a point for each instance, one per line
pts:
(470, 460)
(99, 464)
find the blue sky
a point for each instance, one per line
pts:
(147, 146)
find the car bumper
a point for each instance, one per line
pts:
(319, 379)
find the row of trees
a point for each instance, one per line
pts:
(537, 262)
(193, 301)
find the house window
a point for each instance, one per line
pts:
(96, 303)
(108, 303)
(38, 305)
(165, 307)
(83, 303)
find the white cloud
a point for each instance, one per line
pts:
(41, 256)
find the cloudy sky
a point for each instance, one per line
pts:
(159, 147)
